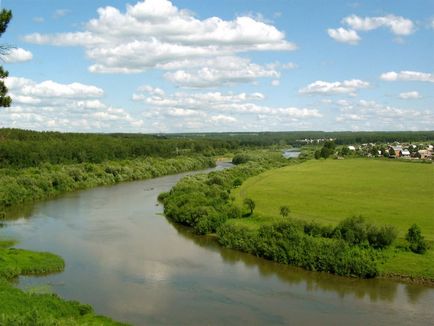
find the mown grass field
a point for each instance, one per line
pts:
(327, 191)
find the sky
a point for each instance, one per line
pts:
(160, 66)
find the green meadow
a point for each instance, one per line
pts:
(327, 191)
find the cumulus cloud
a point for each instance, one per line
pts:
(398, 25)
(51, 89)
(217, 72)
(407, 75)
(328, 88)
(51, 105)
(378, 116)
(17, 55)
(344, 35)
(409, 95)
(222, 108)
(155, 32)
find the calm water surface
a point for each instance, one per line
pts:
(125, 259)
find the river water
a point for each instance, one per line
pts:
(125, 259)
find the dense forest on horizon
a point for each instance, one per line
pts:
(25, 148)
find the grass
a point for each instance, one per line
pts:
(327, 191)
(18, 307)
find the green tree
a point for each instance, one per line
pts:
(284, 211)
(5, 17)
(250, 204)
(416, 240)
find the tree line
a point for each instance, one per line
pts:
(25, 148)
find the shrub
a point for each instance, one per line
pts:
(240, 159)
(416, 241)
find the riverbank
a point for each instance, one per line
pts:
(287, 240)
(27, 308)
(19, 186)
(47, 181)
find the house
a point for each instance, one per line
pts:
(404, 153)
(351, 148)
(396, 149)
(424, 154)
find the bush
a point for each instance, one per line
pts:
(286, 243)
(240, 159)
(416, 241)
(356, 231)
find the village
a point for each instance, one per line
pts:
(394, 150)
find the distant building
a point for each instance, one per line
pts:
(405, 153)
(397, 150)
(351, 148)
(424, 154)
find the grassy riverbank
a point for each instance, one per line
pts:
(47, 181)
(328, 241)
(26, 308)
(20, 185)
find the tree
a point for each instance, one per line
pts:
(5, 17)
(250, 204)
(416, 240)
(284, 211)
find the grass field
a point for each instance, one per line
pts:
(327, 191)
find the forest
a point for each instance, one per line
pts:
(24, 148)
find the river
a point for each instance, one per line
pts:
(125, 259)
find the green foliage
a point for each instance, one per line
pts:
(284, 211)
(416, 241)
(357, 231)
(286, 243)
(327, 150)
(250, 205)
(15, 262)
(5, 100)
(22, 148)
(20, 185)
(203, 201)
(240, 159)
(19, 308)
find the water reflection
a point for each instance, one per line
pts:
(375, 289)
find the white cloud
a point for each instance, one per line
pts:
(17, 55)
(406, 75)
(218, 71)
(218, 103)
(117, 41)
(326, 88)
(377, 116)
(344, 35)
(398, 25)
(409, 95)
(275, 82)
(56, 106)
(51, 89)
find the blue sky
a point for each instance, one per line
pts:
(202, 65)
